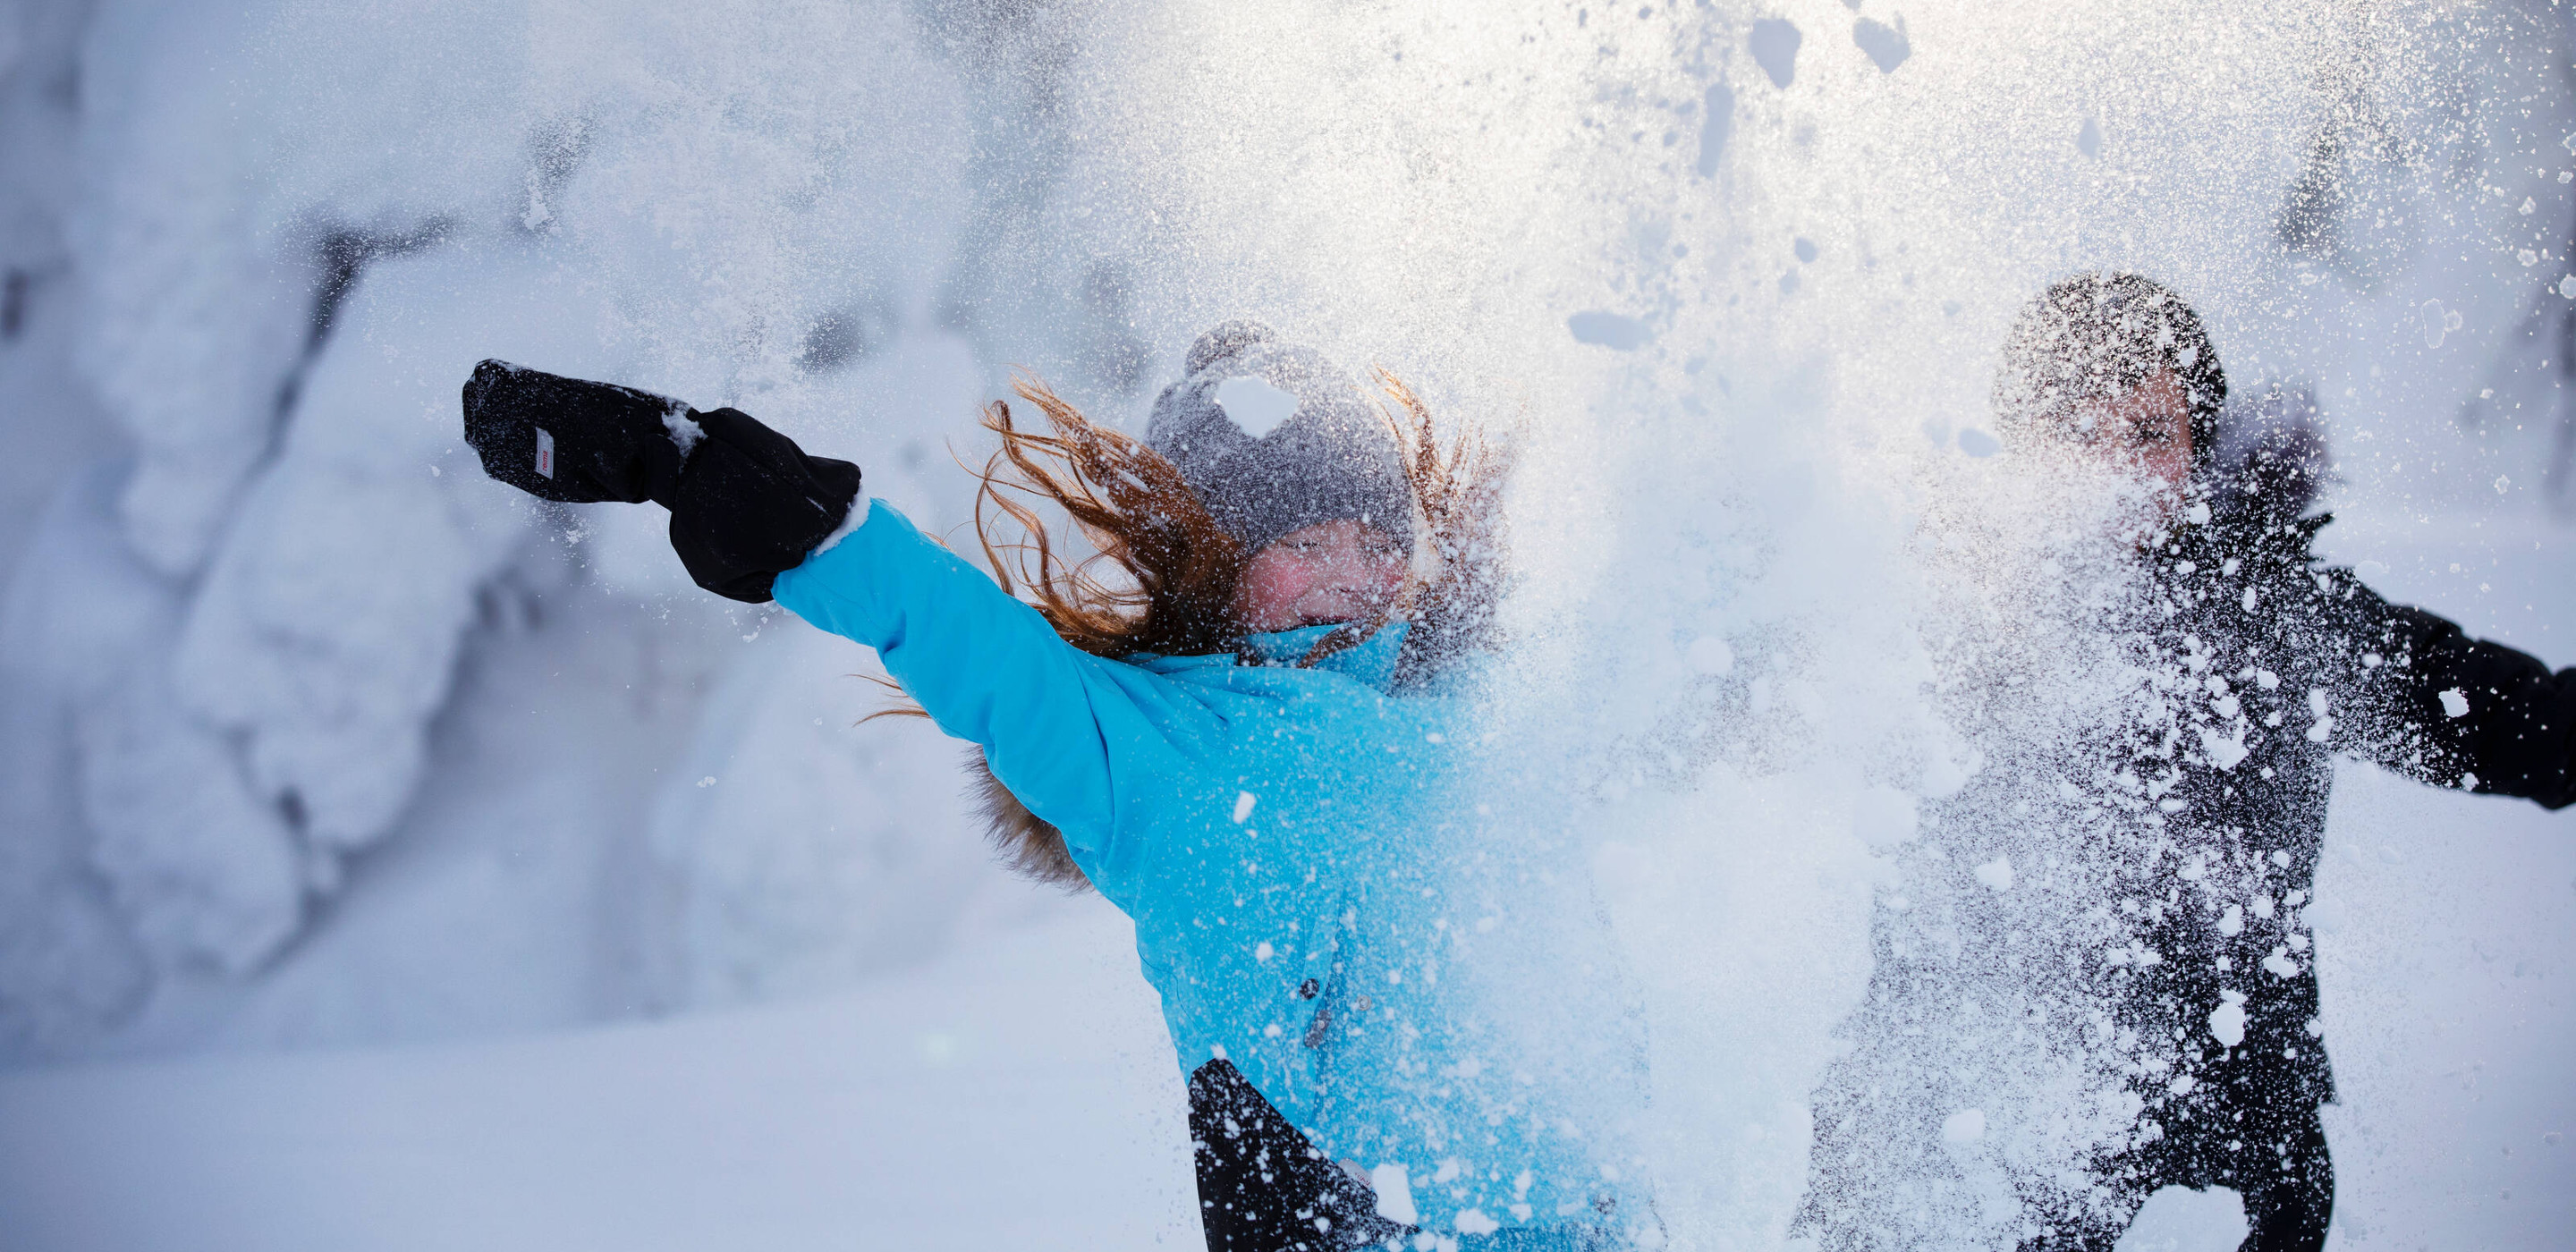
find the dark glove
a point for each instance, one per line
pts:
(751, 505)
(572, 441)
(746, 503)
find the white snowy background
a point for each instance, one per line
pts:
(386, 862)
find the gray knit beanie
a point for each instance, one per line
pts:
(1274, 439)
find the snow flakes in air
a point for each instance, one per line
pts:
(1243, 803)
(1964, 1126)
(2455, 703)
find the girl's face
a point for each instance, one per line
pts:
(2144, 432)
(1328, 572)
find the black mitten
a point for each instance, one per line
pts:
(751, 504)
(746, 503)
(564, 439)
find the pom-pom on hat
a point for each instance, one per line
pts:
(1274, 438)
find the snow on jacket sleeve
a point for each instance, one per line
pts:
(1072, 735)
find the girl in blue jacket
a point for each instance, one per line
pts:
(1248, 741)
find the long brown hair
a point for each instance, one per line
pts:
(1160, 575)
(1173, 571)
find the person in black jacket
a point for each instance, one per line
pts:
(2212, 805)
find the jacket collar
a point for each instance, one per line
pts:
(1372, 662)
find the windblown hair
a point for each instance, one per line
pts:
(1160, 575)
(2094, 336)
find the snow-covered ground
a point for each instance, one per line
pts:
(385, 861)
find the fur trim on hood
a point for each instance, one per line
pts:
(1033, 849)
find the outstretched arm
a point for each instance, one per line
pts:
(750, 516)
(746, 503)
(2437, 705)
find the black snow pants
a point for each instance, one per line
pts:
(2274, 1159)
(1263, 1186)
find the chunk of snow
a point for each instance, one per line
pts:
(1774, 43)
(1709, 655)
(2224, 751)
(1254, 405)
(2455, 703)
(683, 429)
(1887, 46)
(1977, 443)
(1474, 1222)
(1394, 1195)
(1614, 331)
(1717, 121)
(2227, 1021)
(2437, 321)
(2179, 1219)
(1964, 1126)
(1243, 802)
(1997, 873)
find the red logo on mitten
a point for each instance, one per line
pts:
(545, 453)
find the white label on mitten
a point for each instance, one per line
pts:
(545, 453)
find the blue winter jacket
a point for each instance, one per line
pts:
(1287, 841)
